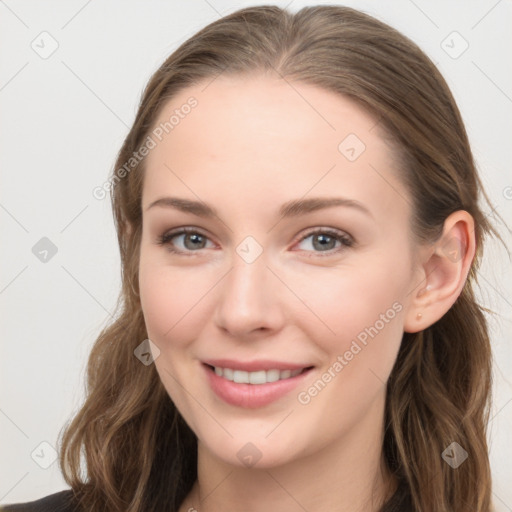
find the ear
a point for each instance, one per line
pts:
(444, 267)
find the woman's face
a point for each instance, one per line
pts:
(323, 291)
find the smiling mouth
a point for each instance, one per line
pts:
(258, 377)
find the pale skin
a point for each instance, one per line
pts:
(249, 146)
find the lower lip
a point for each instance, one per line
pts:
(251, 396)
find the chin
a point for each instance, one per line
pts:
(258, 451)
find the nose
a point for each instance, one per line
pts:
(250, 299)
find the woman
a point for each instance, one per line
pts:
(296, 207)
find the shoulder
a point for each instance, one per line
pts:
(58, 502)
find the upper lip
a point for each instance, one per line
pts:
(252, 366)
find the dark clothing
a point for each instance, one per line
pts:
(62, 502)
(58, 502)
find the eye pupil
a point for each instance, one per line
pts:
(323, 242)
(194, 237)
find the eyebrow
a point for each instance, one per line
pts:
(292, 208)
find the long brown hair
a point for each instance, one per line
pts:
(139, 454)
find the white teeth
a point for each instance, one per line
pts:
(258, 377)
(241, 377)
(272, 375)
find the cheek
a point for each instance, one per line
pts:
(345, 301)
(365, 311)
(172, 301)
(355, 313)
(155, 297)
(167, 303)
(159, 300)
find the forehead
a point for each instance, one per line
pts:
(265, 137)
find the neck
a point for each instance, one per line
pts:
(349, 475)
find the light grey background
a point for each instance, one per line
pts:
(63, 119)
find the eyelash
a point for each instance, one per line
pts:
(346, 240)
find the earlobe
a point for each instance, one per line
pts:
(444, 270)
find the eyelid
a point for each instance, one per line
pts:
(324, 229)
(346, 239)
(165, 238)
